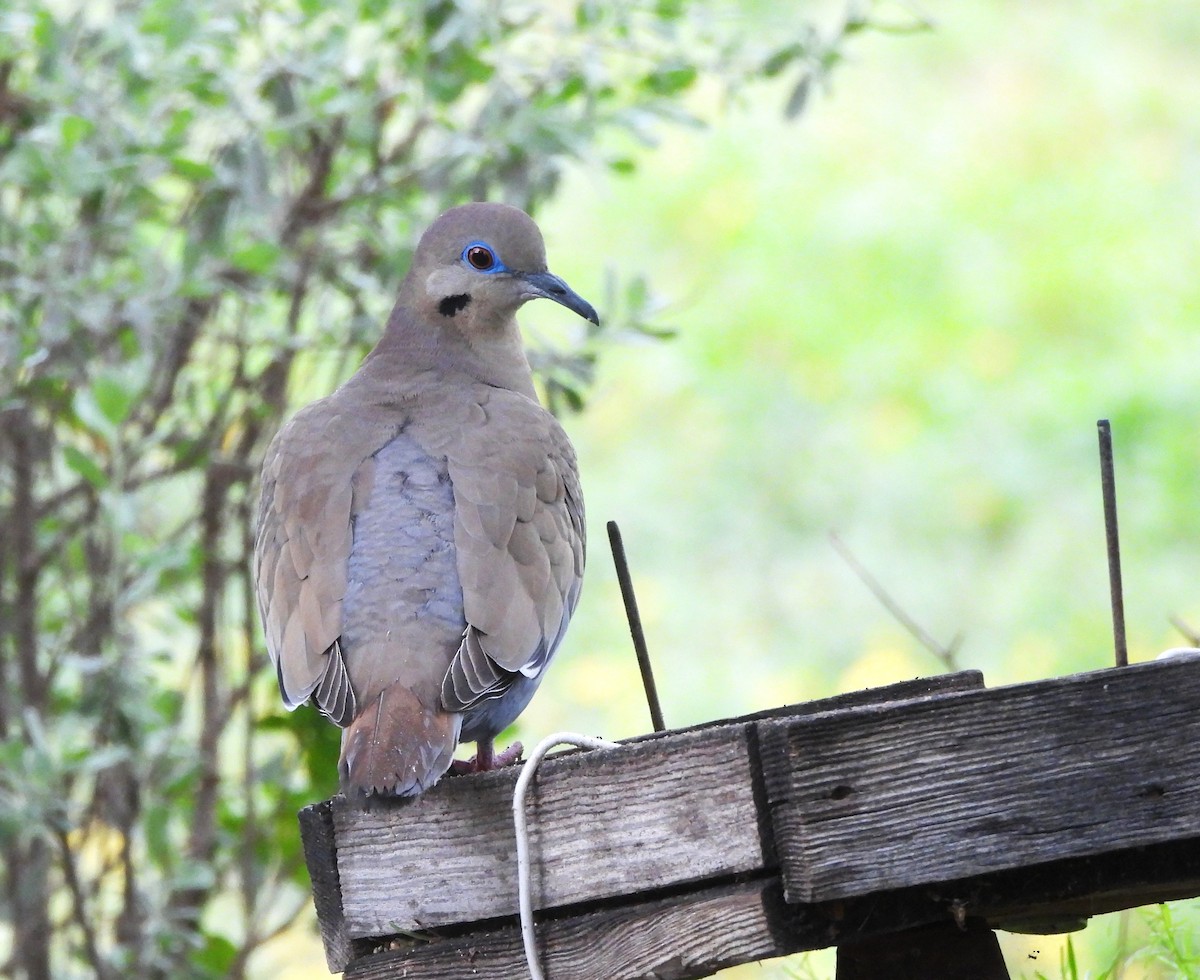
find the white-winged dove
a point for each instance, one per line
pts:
(420, 542)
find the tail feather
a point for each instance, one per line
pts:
(397, 746)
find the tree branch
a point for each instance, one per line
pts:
(1190, 633)
(79, 907)
(196, 311)
(312, 204)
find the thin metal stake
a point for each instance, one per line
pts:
(635, 625)
(1109, 488)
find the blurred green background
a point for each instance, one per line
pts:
(899, 319)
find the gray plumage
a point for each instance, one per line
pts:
(421, 536)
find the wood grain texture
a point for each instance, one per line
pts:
(661, 811)
(670, 939)
(608, 823)
(707, 929)
(317, 836)
(884, 797)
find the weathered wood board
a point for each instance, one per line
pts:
(602, 824)
(680, 853)
(724, 926)
(693, 934)
(320, 854)
(674, 809)
(889, 796)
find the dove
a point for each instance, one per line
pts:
(420, 543)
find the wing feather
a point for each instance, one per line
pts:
(302, 548)
(520, 541)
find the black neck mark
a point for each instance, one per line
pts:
(452, 304)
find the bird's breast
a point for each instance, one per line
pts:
(402, 616)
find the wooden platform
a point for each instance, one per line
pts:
(1026, 807)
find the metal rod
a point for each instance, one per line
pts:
(1108, 487)
(635, 625)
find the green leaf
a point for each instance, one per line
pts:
(96, 759)
(781, 59)
(799, 97)
(587, 12)
(670, 81)
(193, 170)
(90, 415)
(85, 466)
(45, 29)
(216, 956)
(258, 257)
(75, 128)
(572, 87)
(113, 397)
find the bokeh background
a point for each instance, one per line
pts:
(899, 320)
(896, 318)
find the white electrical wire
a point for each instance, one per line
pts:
(1178, 652)
(528, 935)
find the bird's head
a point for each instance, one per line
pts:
(478, 263)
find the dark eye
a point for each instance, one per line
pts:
(480, 258)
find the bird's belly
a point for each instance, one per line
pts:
(402, 615)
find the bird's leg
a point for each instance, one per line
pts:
(486, 758)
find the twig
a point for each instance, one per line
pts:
(174, 359)
(23, 436)
(79, 912)
(1190, 633)
(250, 776)
(256, 940)
(948, 655)
(186, 902)
(312, 204)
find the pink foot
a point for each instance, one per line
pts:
(510, 755)
(485, 760)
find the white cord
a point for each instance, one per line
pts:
(528, 936)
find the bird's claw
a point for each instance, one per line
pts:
(461, 767)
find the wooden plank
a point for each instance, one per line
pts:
(316, 834)
(683, 935)
(674, 938)
(602, 824)
(691, 935)
(1083, 887)
(662, 811)
(884, 797)
(1071, 889)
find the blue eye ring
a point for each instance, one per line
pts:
(481, 257)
